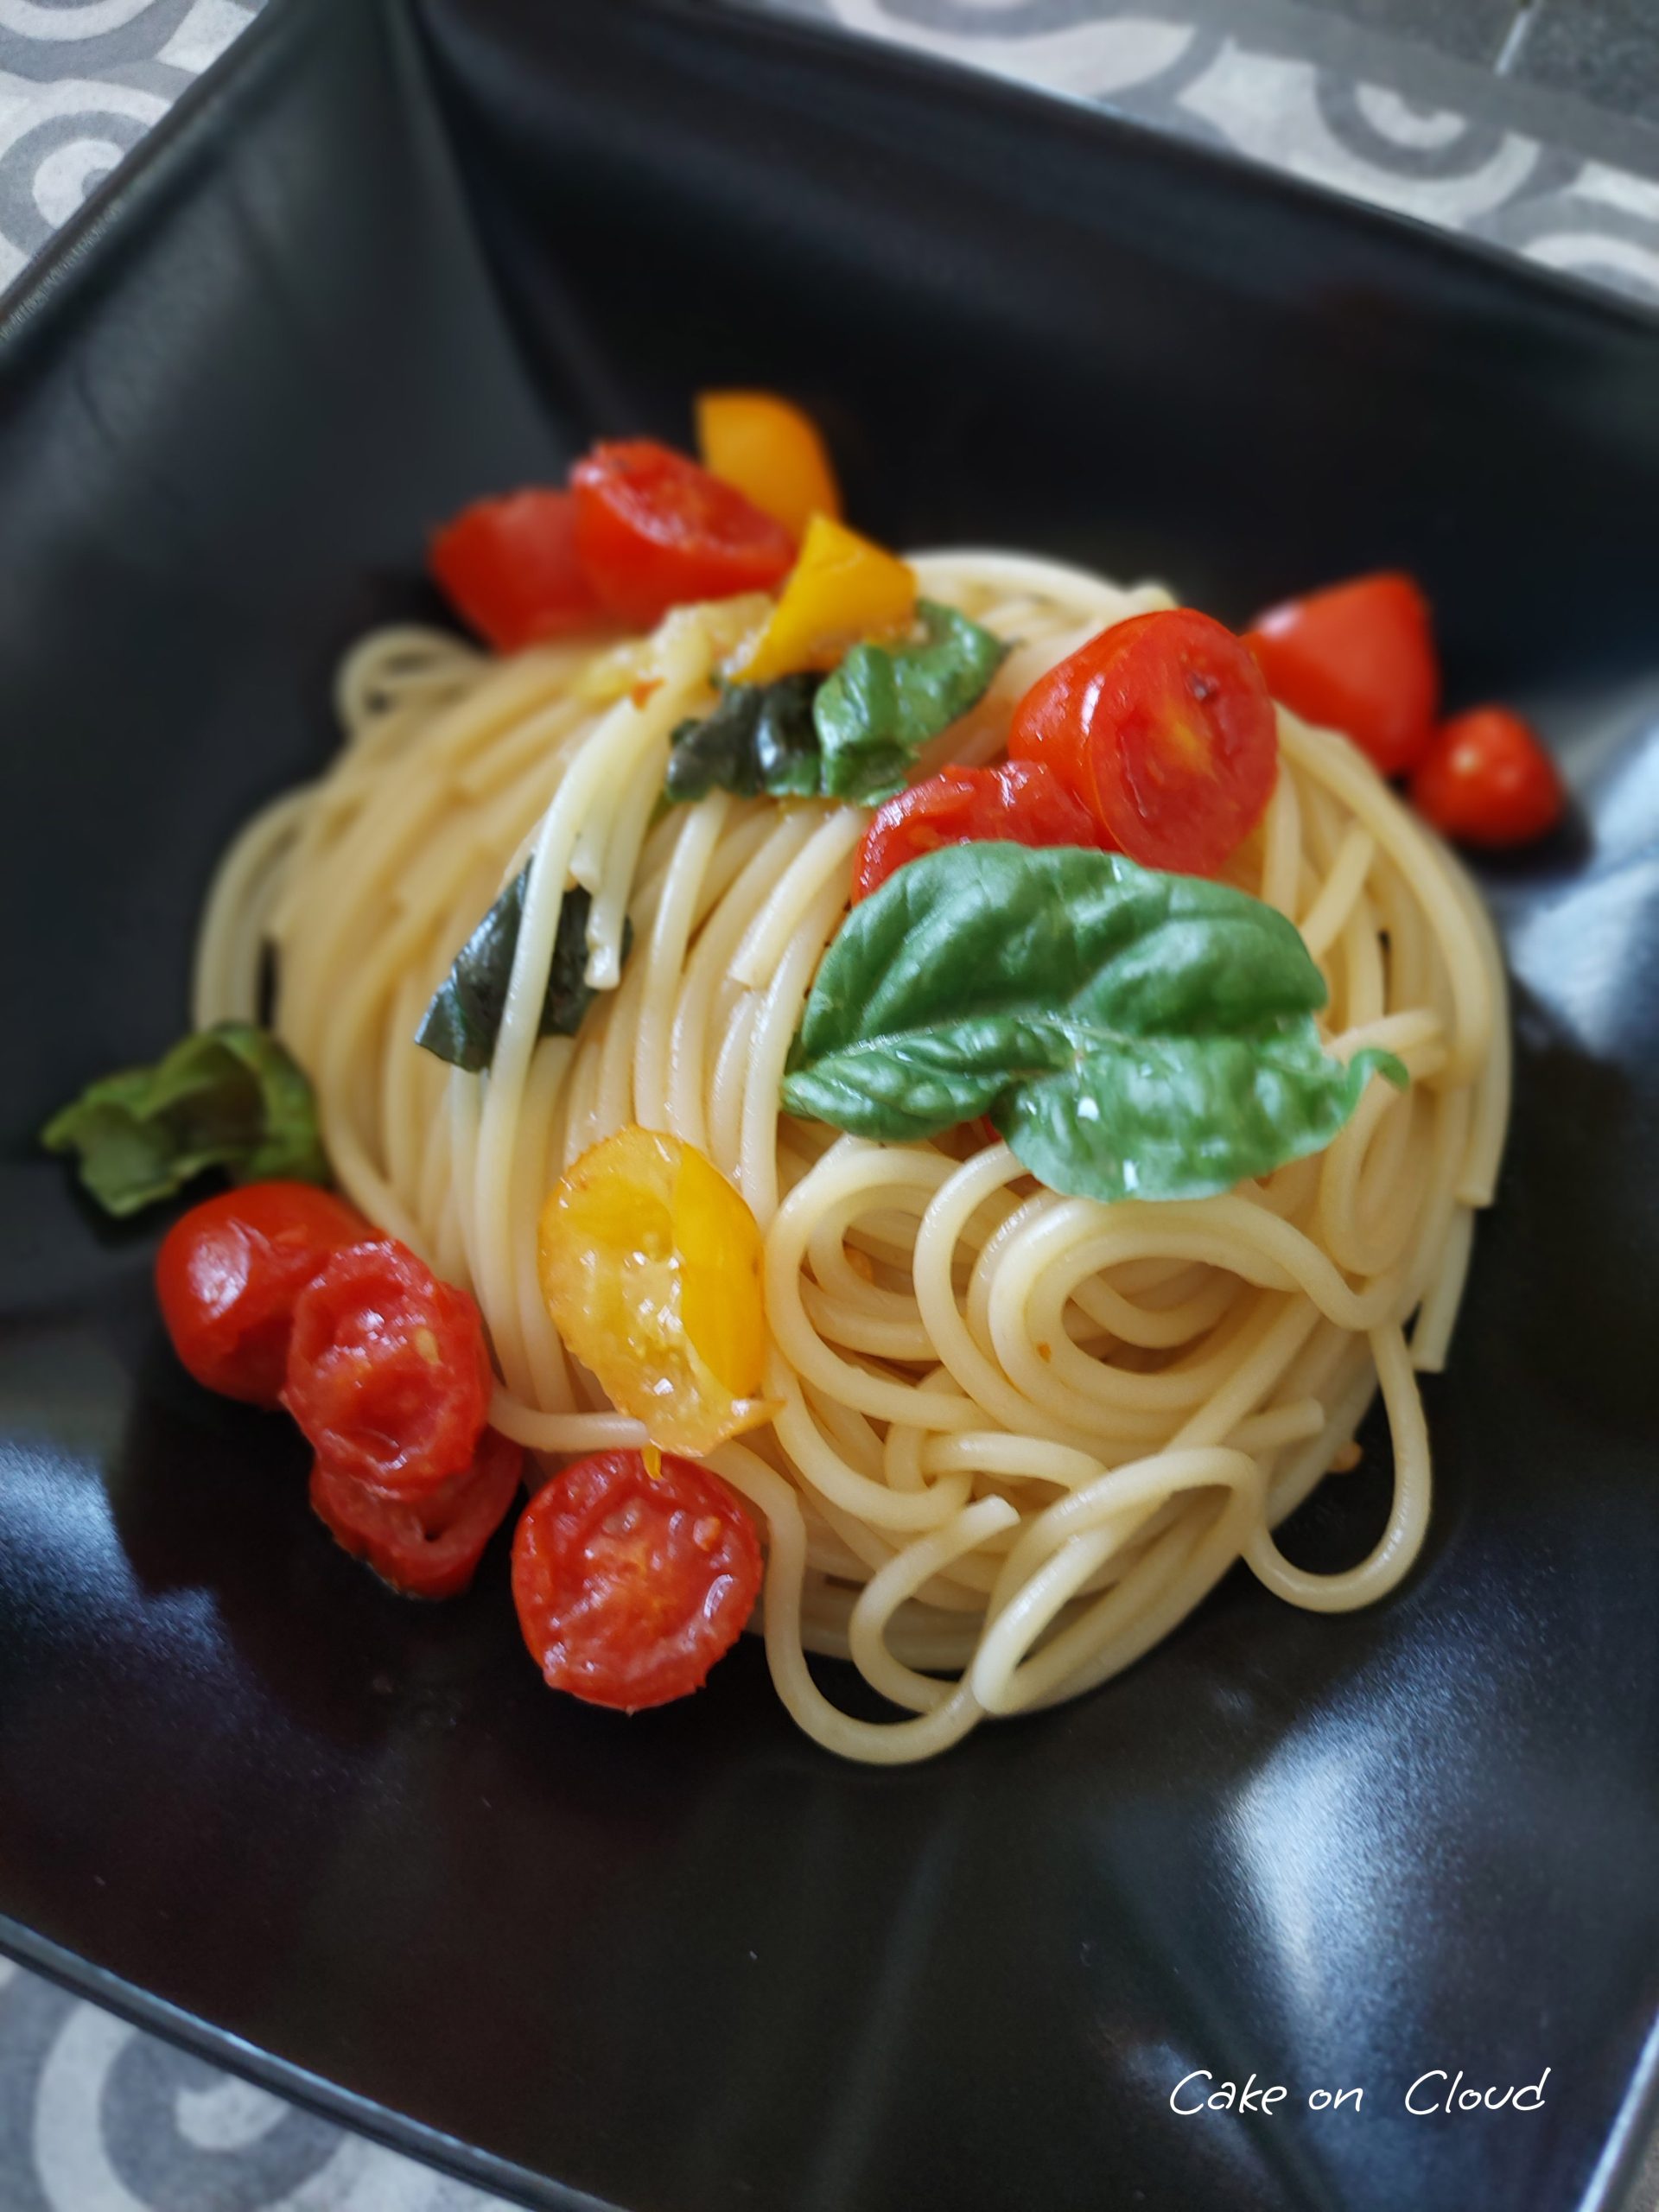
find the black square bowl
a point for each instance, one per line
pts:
(396, 255)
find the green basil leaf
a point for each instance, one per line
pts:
(883, 704)
(758, 738)
(787, 755)
(462, 1023)
(852, 735)
(1131, 1033)
(716, 751)
(230, 1097)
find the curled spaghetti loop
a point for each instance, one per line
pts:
(1020, 1436)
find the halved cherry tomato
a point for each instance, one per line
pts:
(651, 1267)
(229, 1271)
(1487, 780)
(428, 1547)
(1022, 803)
(654, 530)
(1358, 658)
(630, 1585)
(1163, 728)
(509, 567)
(387, 1372)
(771, 451)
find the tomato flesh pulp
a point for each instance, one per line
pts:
(1162, 726)
(651, 1267)
(630, 1585)
(1021, 802)
(388, 1375)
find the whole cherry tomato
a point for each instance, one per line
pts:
(229, 1271)
(509, 567)
(1163, 728)
(1022, 803)
(387, 1372)
(654, 530)
(426, 1547)
(1487, 780)
(651, 1267)
(630, 1585)
(1358, 658)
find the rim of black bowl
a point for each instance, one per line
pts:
(73, 256)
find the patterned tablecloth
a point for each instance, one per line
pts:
(95, 2116)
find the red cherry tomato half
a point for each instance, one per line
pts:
(654, 530)
(229, 1271)
(1487, 780)
(630, 1585)
(387, 1373)
(428, 1547)
(509, 567)
(1022, 803)
(1359, 658)
(1163, 728)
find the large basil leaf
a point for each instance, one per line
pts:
(462, 1023)
(882, 704)
(230, 1097)
(851, 735)
(1131, 1033)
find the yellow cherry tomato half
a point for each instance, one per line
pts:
(771, 451)
(842, 589)
(651, 1267)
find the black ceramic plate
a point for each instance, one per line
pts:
(390, 258)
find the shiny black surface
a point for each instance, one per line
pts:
(393, 258)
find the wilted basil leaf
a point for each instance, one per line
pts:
(230, 1097)
(851, 735)
(758, 738)
(1131, 1033)
(460, 1025)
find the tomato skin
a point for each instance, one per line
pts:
(229, 1272)
(387, 1372)
(1488, 780)
(1022, 803)
(1358, 658)
(510, 567)
(654, 530)
(629, 1586)
(429, 1547)
(1163, 728)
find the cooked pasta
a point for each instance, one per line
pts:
(1016, 1436)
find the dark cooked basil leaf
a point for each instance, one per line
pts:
(758, 738)
(786, 740)
(1131, 1033)
(852, 735)
(462, 1023)
(884, 703)
(230, 1097)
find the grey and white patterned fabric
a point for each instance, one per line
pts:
(1289, 89)
(95, 2116)
(81, 83)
